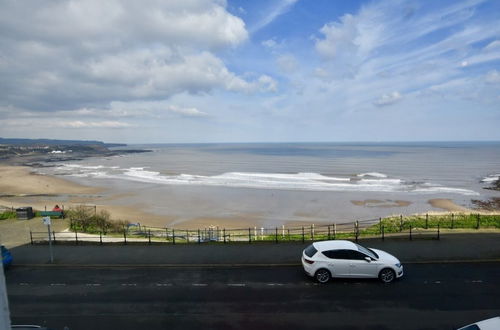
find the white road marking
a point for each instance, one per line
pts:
(93, 284)
(129, 284)
(24, 284)
(57, 284)
(274, 284)
(236, 284)
(437, 282)
(477, 281)
(163, 284)
(199, 284)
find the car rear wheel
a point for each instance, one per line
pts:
(322, 275)
(387, 275)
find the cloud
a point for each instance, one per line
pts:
(287, 63)
(61, 123)
(388, 99)
(270, 43)
(187, 112)
(493, 77)
(272, 13)
(83, 54)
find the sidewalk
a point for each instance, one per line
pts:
(451, 247)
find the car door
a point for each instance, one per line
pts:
(338, 264)
(360, 267)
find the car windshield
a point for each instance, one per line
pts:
(366, 251)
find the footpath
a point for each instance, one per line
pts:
(470, 247)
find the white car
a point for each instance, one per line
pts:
(489, 324)
(327, 259)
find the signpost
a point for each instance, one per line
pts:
(46, 221)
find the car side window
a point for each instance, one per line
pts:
(356, 255)
(337, 254)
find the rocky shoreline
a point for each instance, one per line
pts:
(40, 153)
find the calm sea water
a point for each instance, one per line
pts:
(277, 183)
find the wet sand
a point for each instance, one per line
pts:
(20, 187)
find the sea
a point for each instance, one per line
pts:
(280, 183)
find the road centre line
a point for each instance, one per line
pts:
(199, 284)
(57, 284)
(236, 284)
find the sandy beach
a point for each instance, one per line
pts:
(19, 187)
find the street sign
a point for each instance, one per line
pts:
(46, 221)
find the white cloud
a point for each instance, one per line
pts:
(388, 99)
(66, 54)
(267, 84)
(188, 112)
(287, 63)
(270, 43)
(272, 13)
(493, 77)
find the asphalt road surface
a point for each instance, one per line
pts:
(430, 296)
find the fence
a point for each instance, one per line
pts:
(406, 227)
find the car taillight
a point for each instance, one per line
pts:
(308, 261)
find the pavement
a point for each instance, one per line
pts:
(469, 247)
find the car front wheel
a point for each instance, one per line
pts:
(387, 275)
(322, 276)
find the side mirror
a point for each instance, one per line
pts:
(368, 259)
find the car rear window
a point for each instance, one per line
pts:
(310, 251)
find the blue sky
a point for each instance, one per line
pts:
(250, 71)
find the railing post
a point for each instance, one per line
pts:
(380, 225)
(383, 232)
(199, 236)
(31, 237)
(427, 221)
(224, 234)
(312, 233)
(100, 237)
(249, 235)
(356, 229)
(76, 237)
(328, 231)
(411, 238)
(187, 236)
(478, 221)
(276, 236)
(173, 236)
(401, 223)
(452, 221)
(149, 236)
(334, 231)
(438, 231)
(54, 236)
(303, 235)
(124, 236)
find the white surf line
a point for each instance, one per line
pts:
(199, 284)
(236, 284)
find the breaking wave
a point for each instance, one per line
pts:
(364, 182)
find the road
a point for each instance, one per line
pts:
(430, 296)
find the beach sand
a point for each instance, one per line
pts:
(448, 205)
(19, 186)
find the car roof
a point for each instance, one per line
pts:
(334, 245)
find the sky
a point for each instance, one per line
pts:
(197, 71)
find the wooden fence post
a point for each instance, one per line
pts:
(31, 237)
(452, 221)
(276, 236)
(478, 221)
(303, 235)
(427, 221)
(149, 236)
(401, 223)
(249, 235)
(328, 231)
(173, 236)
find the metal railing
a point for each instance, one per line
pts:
(411, 227)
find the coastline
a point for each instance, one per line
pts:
(19, 187)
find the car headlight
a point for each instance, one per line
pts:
(398, 265)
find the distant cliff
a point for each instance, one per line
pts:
(38, 152)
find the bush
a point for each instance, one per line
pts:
(85, 219)
(8, 215)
